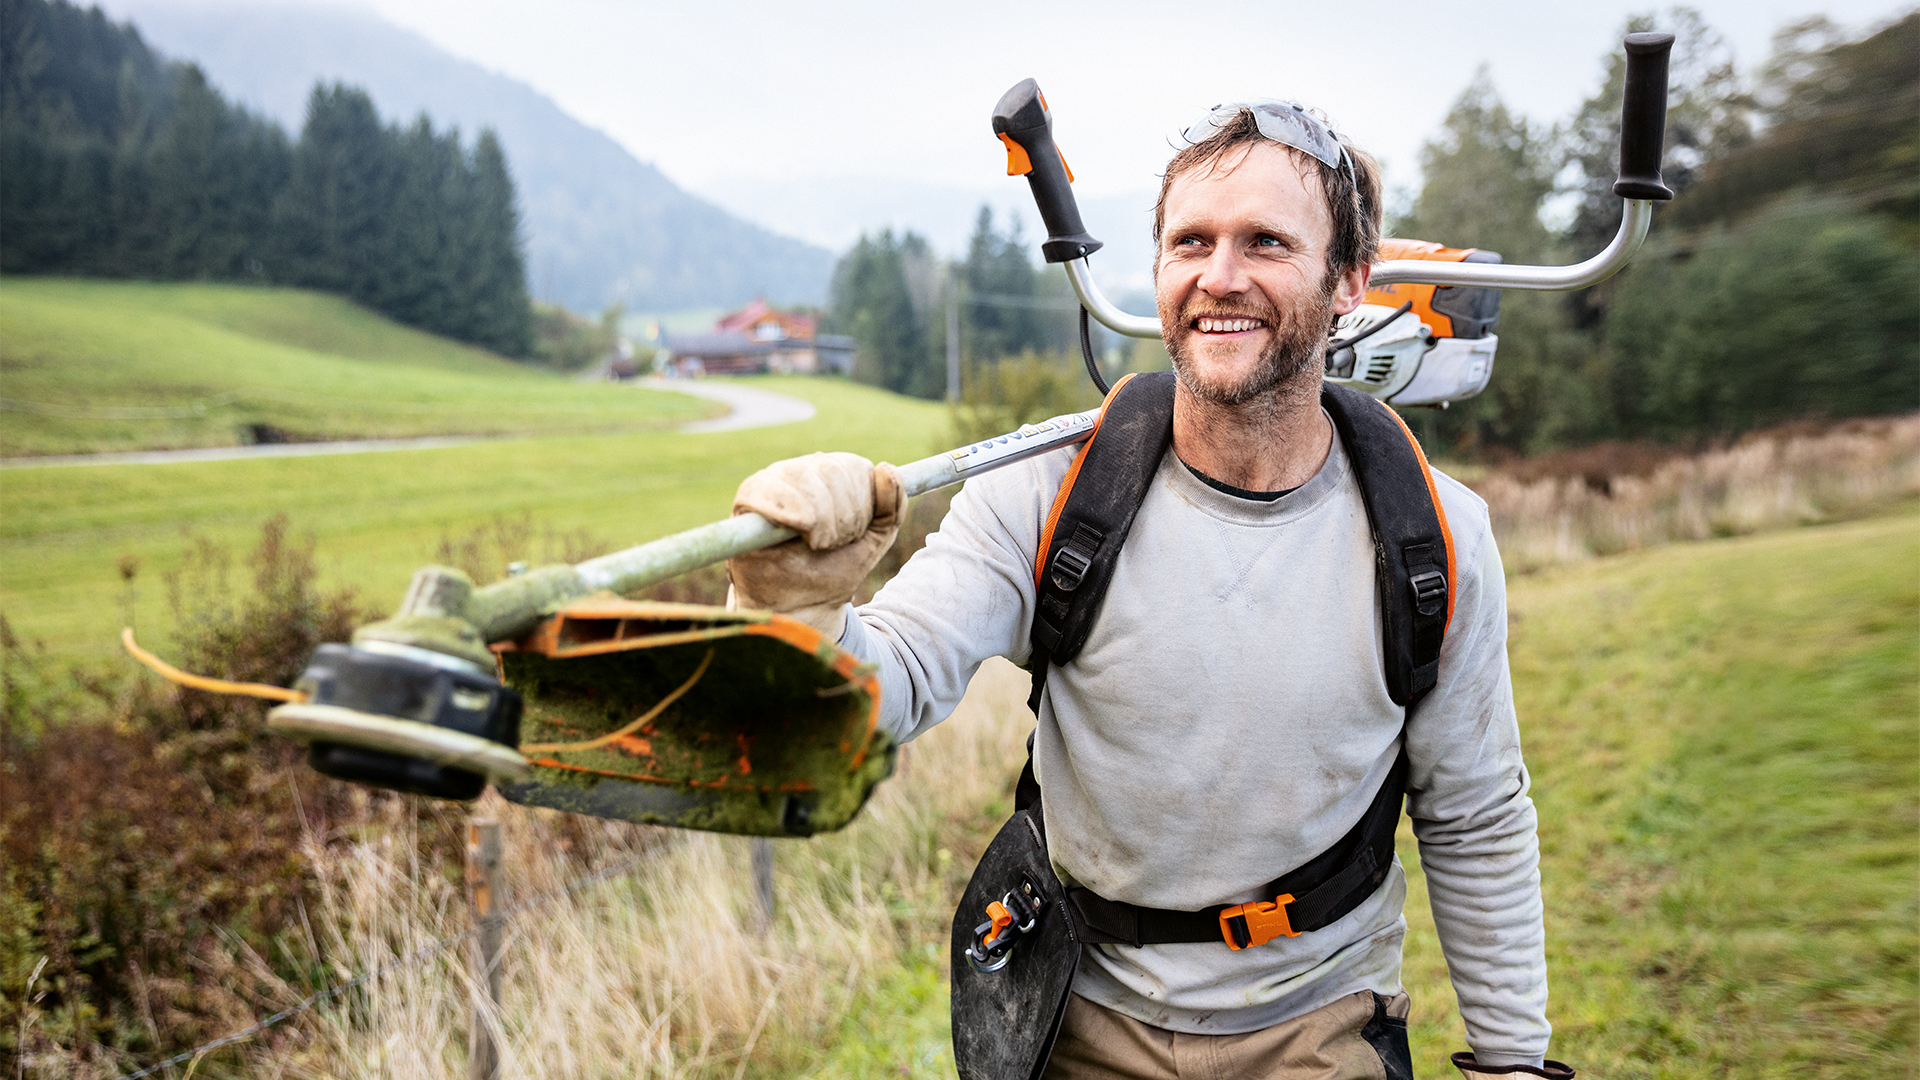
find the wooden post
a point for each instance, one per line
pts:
(762, 885)
(486, 899)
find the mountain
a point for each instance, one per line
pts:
(601, 226)
(834, 212)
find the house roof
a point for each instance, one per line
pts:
(760, 311)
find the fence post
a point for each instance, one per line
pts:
(486, 900)
(762, 885)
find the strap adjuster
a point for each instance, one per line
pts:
(1429, 591)
(1244, 926)
(1075, 558)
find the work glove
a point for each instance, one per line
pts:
(847, 511)
(1473, 1070)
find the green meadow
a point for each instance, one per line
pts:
(376, 517)
(1722, 739)
(92, 366)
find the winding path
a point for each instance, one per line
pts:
(751, 408)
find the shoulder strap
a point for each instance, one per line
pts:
(1413, 548)
(1080, 543)
(1103, 490)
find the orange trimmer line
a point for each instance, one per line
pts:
(201, 682)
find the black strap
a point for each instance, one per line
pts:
(1325, 889)
(1409, 538)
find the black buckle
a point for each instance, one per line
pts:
(1429, 591)
(1075, 558)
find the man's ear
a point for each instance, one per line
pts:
(1351, 288)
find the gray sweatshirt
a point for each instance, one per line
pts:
(1228, 720)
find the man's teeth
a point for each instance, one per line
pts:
(1226, 326)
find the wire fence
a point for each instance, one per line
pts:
(425, 951)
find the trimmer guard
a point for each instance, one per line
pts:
(779, 735)
(1005, 1021)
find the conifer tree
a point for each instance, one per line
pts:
(498, 313)
(331, 222)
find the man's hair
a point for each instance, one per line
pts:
(1354, 200)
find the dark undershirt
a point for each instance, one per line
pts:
(1238, 493)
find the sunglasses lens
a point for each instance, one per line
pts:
(1284, 123)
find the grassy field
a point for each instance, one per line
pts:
(378, 516)
(1721, 737)
(90, 366)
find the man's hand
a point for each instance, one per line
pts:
(846, 510)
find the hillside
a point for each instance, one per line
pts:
(90, 366)
(601, 226)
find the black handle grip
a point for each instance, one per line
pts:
(1026, 127)
(1643, 118)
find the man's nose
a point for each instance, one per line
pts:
(1225, 272)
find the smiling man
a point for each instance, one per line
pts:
(1229, 728)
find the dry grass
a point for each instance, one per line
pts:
(658, 972)
(1597, 506)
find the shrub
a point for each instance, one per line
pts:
(152, 886)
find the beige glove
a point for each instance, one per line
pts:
(1473, 1070)
(846, 510)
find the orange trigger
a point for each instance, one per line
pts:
(1018, 164)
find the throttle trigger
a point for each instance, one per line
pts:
(1018, 163)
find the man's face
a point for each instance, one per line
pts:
(1241, 274)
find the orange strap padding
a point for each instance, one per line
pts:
(202, 682)
(636, 724)
(1439, 511)
(1066, 485)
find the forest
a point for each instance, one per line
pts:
(1778, 286)
(121, 164)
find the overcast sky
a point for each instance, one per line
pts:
(727, 91)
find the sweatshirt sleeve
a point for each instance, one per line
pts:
(1467, 797)
(964, 598)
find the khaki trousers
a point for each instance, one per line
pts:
(1359, 1037)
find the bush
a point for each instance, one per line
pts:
(1809, 313)
(999, 396)
(152, 883)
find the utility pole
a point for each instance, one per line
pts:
(953, 336)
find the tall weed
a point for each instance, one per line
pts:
(1603, 503)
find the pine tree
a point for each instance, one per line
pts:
(498, 311)
(997, 269)
(212, 175)
(332, 220)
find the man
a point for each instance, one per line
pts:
(1226, 719)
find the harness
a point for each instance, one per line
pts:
(1013, 974)
(1414, 569)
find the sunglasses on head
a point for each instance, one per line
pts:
(1285, 122)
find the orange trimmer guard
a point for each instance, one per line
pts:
(695, 717)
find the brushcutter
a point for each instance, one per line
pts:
(561, 693)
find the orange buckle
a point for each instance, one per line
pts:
(1001, 919)
(1245, 925)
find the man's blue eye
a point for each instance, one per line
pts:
(1268, 241)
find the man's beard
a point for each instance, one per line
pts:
(1297, 343)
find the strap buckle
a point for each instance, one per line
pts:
(1429, 591)
(1245, 925)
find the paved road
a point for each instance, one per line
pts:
(751, 407)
